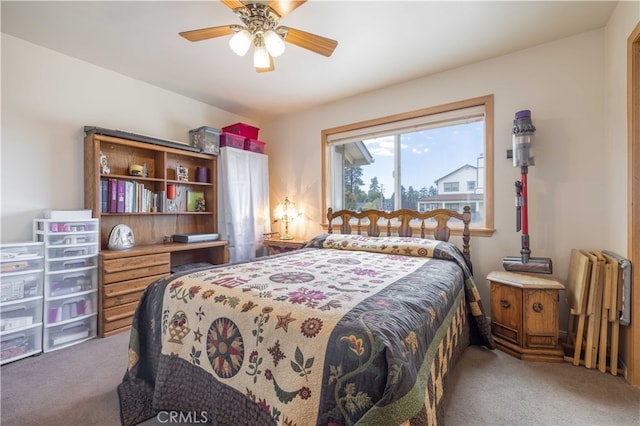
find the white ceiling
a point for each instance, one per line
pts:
(380, 43)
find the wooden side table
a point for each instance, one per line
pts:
(524, 315)
(276, 246)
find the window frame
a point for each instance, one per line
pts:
(485, 101)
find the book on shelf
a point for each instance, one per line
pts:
(161, 201)
(129, 197)
(104, 196)
(121, 195)
(195, 201)
(113, 195)
(124, 196)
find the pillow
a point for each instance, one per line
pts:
(403, 246)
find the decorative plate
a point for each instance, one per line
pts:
(121, 238)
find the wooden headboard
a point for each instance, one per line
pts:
(402, 227)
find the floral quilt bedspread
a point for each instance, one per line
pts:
(318, 336)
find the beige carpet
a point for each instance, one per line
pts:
(76, 386)
(501, 390)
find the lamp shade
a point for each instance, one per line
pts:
(261, 57)
(275, 43)
(286, 210)
(240, 42)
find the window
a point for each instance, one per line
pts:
(451, 186)
(440, 157)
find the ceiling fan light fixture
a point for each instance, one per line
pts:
(240, 42)
(274, 43)
(261, 57)
(260, 28)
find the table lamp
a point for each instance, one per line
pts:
(286, 212)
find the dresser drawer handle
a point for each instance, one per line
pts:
(505, 303)
(537, 307)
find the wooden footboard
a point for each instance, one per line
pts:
(398, 222)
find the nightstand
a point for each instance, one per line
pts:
(276, 246)
(524, 315)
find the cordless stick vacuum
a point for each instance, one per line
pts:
(523, 157)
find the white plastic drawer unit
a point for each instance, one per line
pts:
(21, 258)
(72, 263)
(61, 239)
(20, 344)
(71, 227)
(69, 333)
(67, 240)
(75, 251)
(68, 283)
(21, 299)
(71, 249)
(22, 285)
(71, 308)
(20, 251)
(20, 314)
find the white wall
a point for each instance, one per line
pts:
(562, 83)
(47, 99)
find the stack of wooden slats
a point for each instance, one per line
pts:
(594, 294)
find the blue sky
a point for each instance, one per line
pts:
(426, 155)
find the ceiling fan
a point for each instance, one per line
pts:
(260, 29)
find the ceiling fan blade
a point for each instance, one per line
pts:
(315, 43)
(206, 33)
(282, 7)
(232, 4)
(270, 68)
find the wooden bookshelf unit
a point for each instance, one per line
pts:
(124, 274)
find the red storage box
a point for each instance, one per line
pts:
(254, 145)
(242, 130)
(232, 140)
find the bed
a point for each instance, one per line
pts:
(359, 327)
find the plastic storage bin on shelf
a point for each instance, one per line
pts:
(19, 315)
(21, 300)
(206, 138)
(20, 344)
(232, 140)
(242, 129)
(64, 283)
(254, 145)
(70, 280)
(24, 284)
(70, 308)
(65, 334)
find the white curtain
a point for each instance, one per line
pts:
(243, 202)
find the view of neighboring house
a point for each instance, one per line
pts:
(462, 187)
